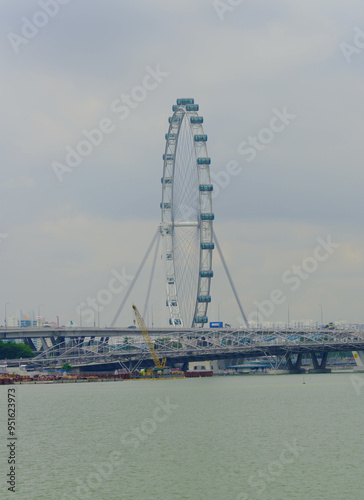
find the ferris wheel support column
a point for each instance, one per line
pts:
(135, 278)
(151, 276)
(230, 279)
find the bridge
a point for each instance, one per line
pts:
(125, 347)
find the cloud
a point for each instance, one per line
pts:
(18, 183)
(63, 239)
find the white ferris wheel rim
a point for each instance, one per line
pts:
(187, 217)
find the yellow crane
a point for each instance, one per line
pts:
(158, 363)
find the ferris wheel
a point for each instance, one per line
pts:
(186, 224)
(187, 217)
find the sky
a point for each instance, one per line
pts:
(280, 86)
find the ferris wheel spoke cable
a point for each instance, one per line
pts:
(188, 264)
(186, 177)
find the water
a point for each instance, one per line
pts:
(231, 438)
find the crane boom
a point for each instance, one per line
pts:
(158, 363)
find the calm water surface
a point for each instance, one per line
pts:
(223, 438)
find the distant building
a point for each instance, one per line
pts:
(217, 366)
(25, 320)
(12, 321)
(37, 343)
(39, 321)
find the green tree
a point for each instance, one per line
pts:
(11, 350)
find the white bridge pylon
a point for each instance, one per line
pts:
(186, 226)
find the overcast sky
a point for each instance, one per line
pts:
(63, 237)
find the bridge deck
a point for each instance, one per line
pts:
(80, 345)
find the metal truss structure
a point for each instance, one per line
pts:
(183, 345)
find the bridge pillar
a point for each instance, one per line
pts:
(185, 366)
(30, 343)
(295, 367)
(44, 344)
(319, 367)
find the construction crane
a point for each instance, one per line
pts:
(158, 363)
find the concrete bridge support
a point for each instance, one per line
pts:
(185, 366)
(319, 367)
(45, 346)
(30, 343)
(295, 367)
